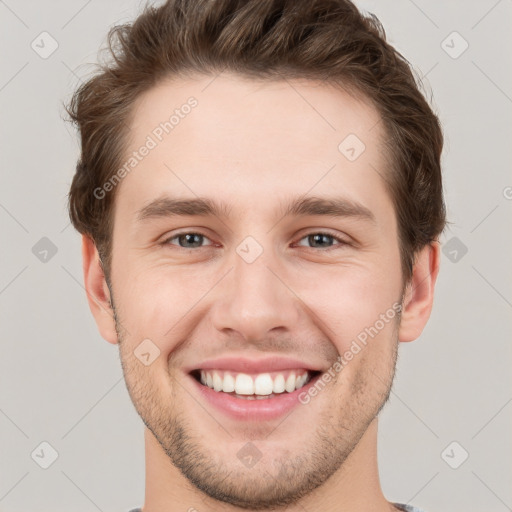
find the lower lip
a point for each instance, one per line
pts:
(253, 410)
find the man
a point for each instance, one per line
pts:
(260, 198)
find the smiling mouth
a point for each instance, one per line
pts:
(259, 386)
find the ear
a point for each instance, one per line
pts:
(98, 294)
(419, 294)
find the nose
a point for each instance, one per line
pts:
(255, 299)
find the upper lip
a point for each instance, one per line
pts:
(246, 365)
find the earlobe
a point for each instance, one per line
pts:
(98, 294)
(419, 295)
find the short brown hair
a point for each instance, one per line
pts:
(327, 40)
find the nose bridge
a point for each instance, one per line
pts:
(253, 300)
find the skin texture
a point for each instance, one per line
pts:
(256, 146)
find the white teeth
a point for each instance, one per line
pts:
(229, 383)
(278, 386)
(263, 384)
(259, 386)
(217, 382)
(300, 381)
(244, 385)
(290, 383)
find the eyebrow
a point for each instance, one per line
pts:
(302, 206)
(169, 207)
(331, 207)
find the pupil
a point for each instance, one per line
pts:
(189, 239)
(319, 238)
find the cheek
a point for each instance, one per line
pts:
(349, 302)
(157, 303)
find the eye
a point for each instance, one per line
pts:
(188, 240)
(321, 240)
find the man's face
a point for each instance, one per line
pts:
(253, 284)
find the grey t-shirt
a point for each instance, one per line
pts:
(405, 508)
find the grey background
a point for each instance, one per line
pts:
(62, 384)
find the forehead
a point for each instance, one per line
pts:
(238, 139)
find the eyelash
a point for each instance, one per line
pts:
(340, 241)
